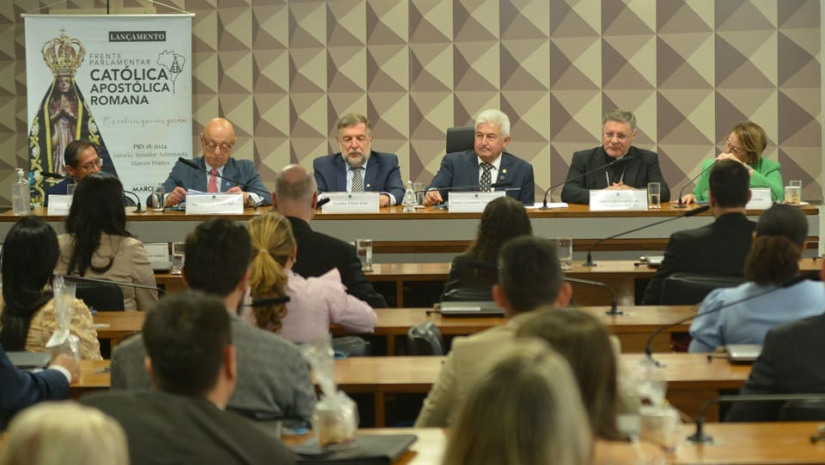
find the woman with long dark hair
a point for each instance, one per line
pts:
(28, 309)
(97, 244)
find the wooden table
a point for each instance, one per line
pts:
(633, 328)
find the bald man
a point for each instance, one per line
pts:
(218, 143)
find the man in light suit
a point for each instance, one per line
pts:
(216, 168)
(358, 168)
(487, 164)
(639, 168)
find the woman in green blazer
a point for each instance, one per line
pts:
(745, 144)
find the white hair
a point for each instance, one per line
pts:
(496, 117)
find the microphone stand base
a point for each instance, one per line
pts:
(700, 438)
(614, 312)
(683, 205)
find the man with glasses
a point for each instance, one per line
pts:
(219, 171)
(81, 160)
(640, 168)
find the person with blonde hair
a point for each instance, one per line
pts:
(314, 303)
(525, 410)
(64, 433)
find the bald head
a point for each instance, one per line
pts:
(296, 193)
(218, 142)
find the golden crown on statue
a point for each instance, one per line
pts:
(63, 55)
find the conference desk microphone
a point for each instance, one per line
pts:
(470, 188)
(699, 437)
(243, 185)
(138, 209)
(321, 202)
(681, 204)
(614, 311)
(47, 174)
(790, 282)
(618, 161)
(69, 277)
(687, 214)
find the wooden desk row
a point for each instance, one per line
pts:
(693, 379)
(632, 328)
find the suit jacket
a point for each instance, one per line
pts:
(642, 168)
(461, 169)
(242, 171)
(790, 363)
(383, 174)
(19, 389)
(165, 428)
(718, 248)
(319, 253)
(272, 375)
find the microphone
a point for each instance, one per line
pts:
(618, 161)
(699, 437)
(138, 209)
(687, 214)
(682, 191)
(245, 186)
(322, 202)
(811, 275)
(614, 311)
(69, 277)
(468, 187)
(47, 174)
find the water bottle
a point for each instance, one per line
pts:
(409, 199)
(20, 195)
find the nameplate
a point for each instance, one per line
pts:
(472, 202)
(344, 202)
(613, 200)
(157, 252)
(760, 199)
(59, 204)
(206, 204)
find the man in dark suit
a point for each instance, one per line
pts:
(719, 248)
(358, 168)
(217, 167)
(296, 197)
(640, 168)
(81, 160)
(20, 389)
(191, 359)
(487, 164)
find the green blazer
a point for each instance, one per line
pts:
(766, 173)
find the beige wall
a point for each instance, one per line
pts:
(283, 72)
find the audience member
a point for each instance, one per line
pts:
(473, 273)
(529, 278)
(64, 433)
(295, 197)
(525, 409)
(640, 168)
(719, 248)
(487, 164)
(745, 145)
(273, 378)
(773, 260)
(81, 160)
(358, 168)
(191, 360)
(29, 312)
(97, 244)
(314, 303)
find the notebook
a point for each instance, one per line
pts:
(367, 449)
(471, 308)
(30, 360)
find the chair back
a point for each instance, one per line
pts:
(352, 346)
(460, 139)
(691, 288)
(100, 296)
(467, 294)
(425, 339)
(803, 410)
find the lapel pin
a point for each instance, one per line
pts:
(369, 185)
(504, 171)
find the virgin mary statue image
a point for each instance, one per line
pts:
(62, 117)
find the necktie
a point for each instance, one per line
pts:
(486, 179)
(357, 180)
(213, 181)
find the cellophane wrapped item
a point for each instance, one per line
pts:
(63, 341)
(335, 420)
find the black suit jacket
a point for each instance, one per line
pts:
(461, 169)
(718, 248)
(790, 363)
(642, 168)
(383, 174)
(319, 253)
(19, 389)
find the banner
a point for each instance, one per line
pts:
(124, 83)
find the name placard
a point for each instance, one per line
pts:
(157, 251)
(345, 202)
(59, 204)
(472, 202)
(206, 204)
(760, 199)
(613, 200)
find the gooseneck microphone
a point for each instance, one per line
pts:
(687, 214)
(244, 185)
(618, 161)
(614, 311)
(138, 209)
(69, 277)
(47, 174)
(681, 204)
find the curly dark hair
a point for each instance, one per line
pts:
(503, 219)
(777, 248)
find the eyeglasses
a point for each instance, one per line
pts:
(224, 146)
(620, 136)
(98, 163)
(733, 148)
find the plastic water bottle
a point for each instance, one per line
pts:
(20, 195)
(409, 199)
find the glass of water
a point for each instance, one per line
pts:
(178, 256)
(363, 248)
(157, 197)
(654, 195)
(564, 249)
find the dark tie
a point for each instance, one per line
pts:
(357, 180)
(486, 179)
